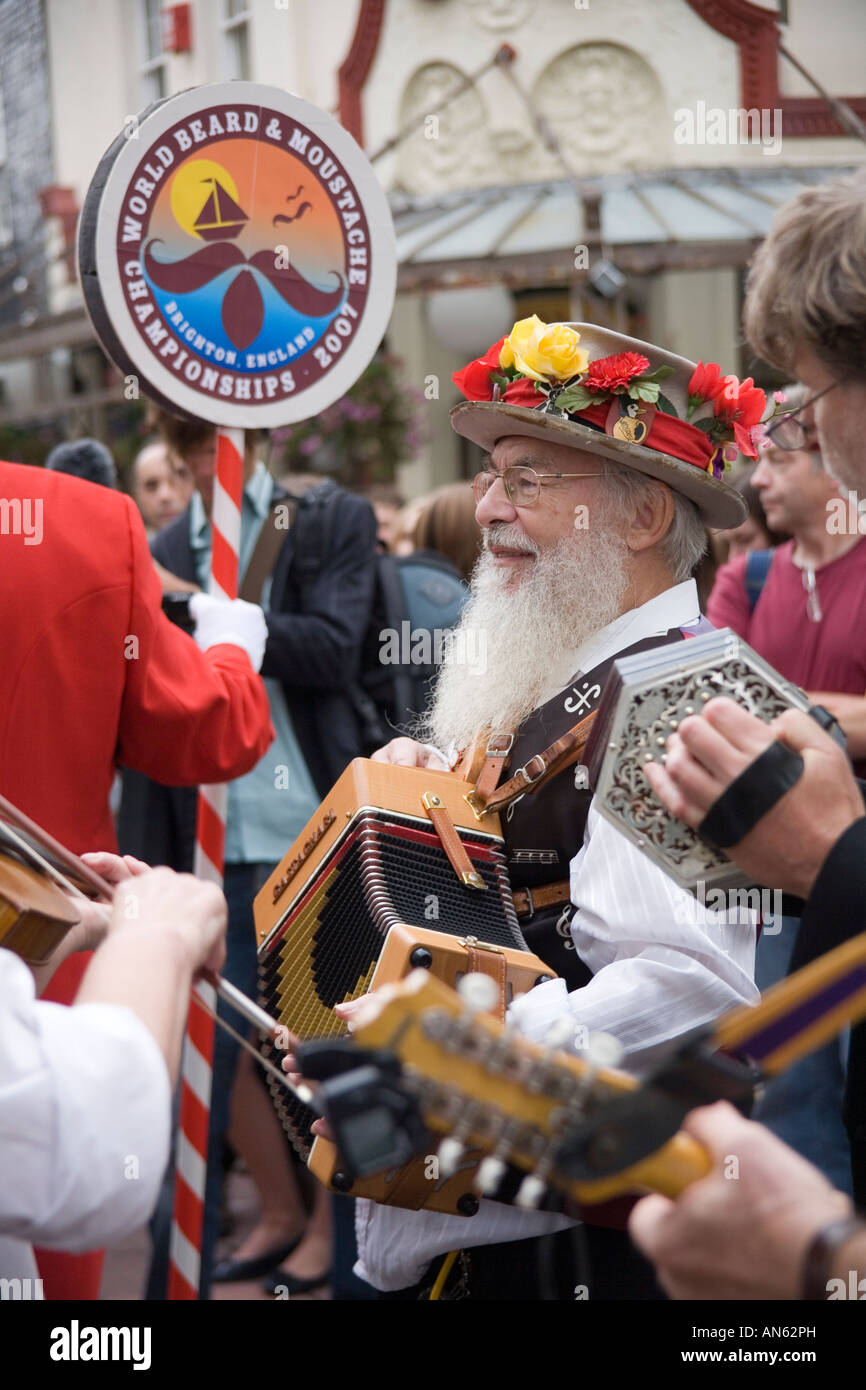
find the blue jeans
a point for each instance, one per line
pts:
(803, 1105)
(242, 882)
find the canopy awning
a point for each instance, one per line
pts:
(521, 234)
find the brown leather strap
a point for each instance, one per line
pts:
(471, 760)
(498, 747)
(492, 963)
(527, 901)
(268, 546)
(541, 767)
(451, 842)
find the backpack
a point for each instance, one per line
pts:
(416, 599)
(757, 568)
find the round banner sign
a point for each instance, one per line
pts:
(237, 255)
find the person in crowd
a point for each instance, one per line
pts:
(589, 548)
(805, 312)
(85, 1089)
(82, 628)
(161, 486)
(446, 523)
(755, 533)
(315, 624)
(804, 612)
(403, 530)
(84, 458)
(387, 503)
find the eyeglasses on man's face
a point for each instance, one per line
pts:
(789, 432)
(522, 483)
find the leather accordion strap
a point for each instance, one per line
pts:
(541, 767)
(492, 963)
(499, 745)
(751, 795)
(452, 843)
(527, 901)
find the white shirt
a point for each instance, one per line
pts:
(85, 1119)
(661, 963)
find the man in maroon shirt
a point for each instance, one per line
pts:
(810, 618)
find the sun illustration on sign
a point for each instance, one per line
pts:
(206, 204)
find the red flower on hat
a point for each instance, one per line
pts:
(741, 404)
(474, 379)
(706, 382)
(615, 372)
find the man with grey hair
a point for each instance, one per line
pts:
(593, 503)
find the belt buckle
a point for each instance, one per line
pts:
(523, 772)
(491, 752)
(530, 903)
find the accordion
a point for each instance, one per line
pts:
(645, 698)
(366, 894)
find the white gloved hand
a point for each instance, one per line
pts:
(243, 624)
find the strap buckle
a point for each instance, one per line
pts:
(528, 777)
(494, 750)
(530, 903)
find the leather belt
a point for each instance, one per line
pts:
(528, 901)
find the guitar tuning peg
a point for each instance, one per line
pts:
(604, 1050)
(478, 992)
(489, 1175)
(530, 1192)
(449, 1155)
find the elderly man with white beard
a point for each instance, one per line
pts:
(605, 464)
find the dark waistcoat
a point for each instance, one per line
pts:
(543, 831)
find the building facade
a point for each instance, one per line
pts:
(600, 159)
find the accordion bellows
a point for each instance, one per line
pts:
(365, 894)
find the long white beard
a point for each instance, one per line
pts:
(509, 642)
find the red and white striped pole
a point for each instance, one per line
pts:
(197, 1069)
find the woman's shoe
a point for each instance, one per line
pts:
(229, 1271)
(280, 1282)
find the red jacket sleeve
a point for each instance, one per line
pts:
(187, 716)
(728, 604)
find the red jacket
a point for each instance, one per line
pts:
(91, 670)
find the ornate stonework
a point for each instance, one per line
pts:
(452, 146)
(499, 14)
(605, 106)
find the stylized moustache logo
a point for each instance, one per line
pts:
(243, 309)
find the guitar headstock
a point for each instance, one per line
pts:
(486, 1088)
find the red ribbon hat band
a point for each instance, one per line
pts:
(542, 367)
(665, 433)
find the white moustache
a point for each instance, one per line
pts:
(509, 538)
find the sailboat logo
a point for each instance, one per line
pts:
(220, 216)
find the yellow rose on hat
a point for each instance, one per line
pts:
(544, 352)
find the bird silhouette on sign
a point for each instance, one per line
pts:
(305, 206)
